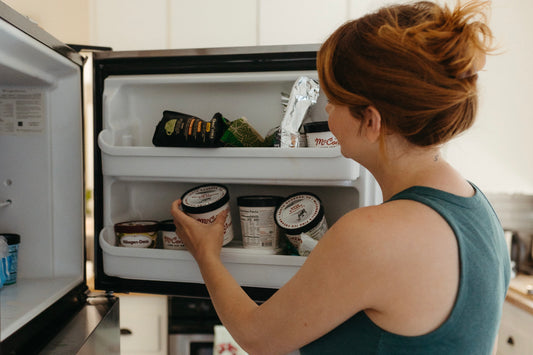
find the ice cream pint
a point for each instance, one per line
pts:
(136, 234)
(170, 239)
(205, 202)
(319, 135)
(259, 230)
(301, 213)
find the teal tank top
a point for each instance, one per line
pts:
(474, 320)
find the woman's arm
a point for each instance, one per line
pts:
(388, 269)
(328, 289)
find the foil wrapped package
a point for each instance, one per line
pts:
(303, 95)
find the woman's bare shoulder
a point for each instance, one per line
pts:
(399, 236)
(387, 219)
(397, 240)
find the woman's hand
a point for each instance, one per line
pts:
(202, 240)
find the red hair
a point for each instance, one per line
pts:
(416, 64)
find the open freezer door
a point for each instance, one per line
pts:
(135, 180)
(41, 179)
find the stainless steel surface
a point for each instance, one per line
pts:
(33, 30)
(94, 330)
(208, 51)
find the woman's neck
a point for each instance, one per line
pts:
(404, 165)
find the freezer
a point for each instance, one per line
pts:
(42, 187)
(135, 180)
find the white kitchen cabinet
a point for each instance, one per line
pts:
(298, 22)
(515, 331)
(162, 24)
(212, 23)
(358, 8)
(143, 325)
(129, 24)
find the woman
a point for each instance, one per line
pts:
(426, 272)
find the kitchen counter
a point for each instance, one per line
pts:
(518, 294)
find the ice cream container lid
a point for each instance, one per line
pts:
(320, 126)
(167, 225)
(204, 198)
(136, 226)
(259, 201)
(11, 238)
(299, 212)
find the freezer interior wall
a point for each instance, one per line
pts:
(134, 104)
(41, 169)
(41, 173)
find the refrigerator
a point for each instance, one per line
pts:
(42, 186)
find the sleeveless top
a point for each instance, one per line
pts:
(473, 323)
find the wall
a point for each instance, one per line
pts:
(67, 20)
(494, 153)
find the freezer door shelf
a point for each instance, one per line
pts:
(249, 268)
(283, 166)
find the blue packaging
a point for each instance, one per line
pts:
(4, 251)
(10, 261)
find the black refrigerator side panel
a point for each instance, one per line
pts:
(107, 65)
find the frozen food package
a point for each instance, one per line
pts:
(178, 129)
(240, 133)
(303, 95)
(284, 102)
(272, 137)
(4, 267)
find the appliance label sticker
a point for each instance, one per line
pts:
(21, 111)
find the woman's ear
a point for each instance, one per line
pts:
(372, 124)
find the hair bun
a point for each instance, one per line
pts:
(457, 39)
(477, 64)
(462, 38)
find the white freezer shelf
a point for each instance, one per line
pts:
(273, 165)
(27, 298)
(247, 267)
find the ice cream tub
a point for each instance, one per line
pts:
(170, 239)
(137, 234)
(319, 136)
(205, 202)
(301, 214)
(259, 230)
